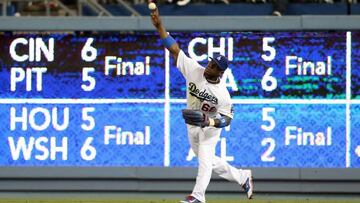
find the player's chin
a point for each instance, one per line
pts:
(206, 74)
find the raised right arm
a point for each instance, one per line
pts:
(167, 40)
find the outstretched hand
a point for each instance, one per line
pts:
(171, 44)
(155, 17)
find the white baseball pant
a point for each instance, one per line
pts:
(203, 143)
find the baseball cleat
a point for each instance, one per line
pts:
(190, 199)
(248, 186)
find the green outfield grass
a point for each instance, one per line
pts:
(14, 200)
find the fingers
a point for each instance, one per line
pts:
(155, 16)
(154, 12)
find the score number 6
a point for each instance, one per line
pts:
(266, 156)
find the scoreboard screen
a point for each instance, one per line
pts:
(115, 99)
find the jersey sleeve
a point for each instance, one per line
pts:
(227, 108)
(185, 64)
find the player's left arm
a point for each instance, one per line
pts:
(198, 118)
(226, 112)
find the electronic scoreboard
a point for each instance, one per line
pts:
(115, 99)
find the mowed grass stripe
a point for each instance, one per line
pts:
(171, 201)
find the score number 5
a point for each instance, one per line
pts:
(266, 156)
(88, 78)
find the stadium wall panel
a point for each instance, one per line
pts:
(116, 179)
(182, 23)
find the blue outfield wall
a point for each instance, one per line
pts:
(268, 179)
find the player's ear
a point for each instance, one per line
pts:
(221, 74)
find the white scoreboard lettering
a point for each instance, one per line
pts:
(115, 99)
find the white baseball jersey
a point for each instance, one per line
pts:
(211, 99)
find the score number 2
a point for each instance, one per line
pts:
(266, 156)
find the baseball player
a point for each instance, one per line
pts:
(209, 109)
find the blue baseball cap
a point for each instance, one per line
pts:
(221, 61)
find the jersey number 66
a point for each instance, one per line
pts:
(207, 107)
